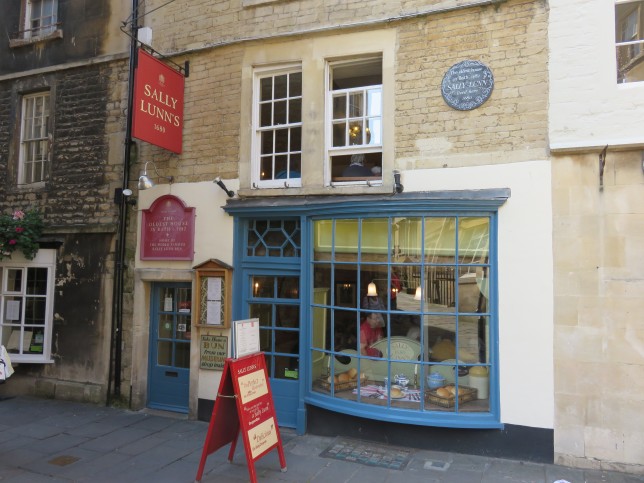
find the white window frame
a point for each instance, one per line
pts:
(45, 258)
(257, 182)
(35, 139)
(366, 119)
(635, 45)
(34, 12)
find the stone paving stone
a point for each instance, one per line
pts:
(88, 466)
(298, 469)
(462, 476)
(15, 441)
(598, 476)
(92, 429)
(573, 475)
(115, 439)
(153, 423)
(375, 475)
(22, 457)
(514, 471)
(141, 445)
(45, 467)
(336, 471)
(57, 443)
(35, 430)
(178, 472)
(34, 478)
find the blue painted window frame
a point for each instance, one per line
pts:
(467, 204)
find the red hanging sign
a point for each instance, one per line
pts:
(244, 402)
(157, 111)
(168, 230)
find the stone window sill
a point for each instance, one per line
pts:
(15, 43)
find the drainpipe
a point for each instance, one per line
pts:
(116, 341)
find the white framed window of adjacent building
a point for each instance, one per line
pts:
(354, 105)
(35, 139)
(41, 18)
(26, 306)
(277, 128)
(629, 40)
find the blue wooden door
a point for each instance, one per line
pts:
(170, 335)
(275, 300)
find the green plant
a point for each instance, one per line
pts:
(20, 231)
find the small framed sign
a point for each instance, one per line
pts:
(245, 337)
(214, 286)
(213, 352)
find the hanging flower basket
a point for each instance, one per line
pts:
(20, 231)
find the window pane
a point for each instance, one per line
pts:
(263, 287)
(182, 355)
(266, 89)
(37, 281)
(281, 87)
(287, 342)
(267, 142)
(37, 342)
(35, 310)
(288, 287)
(355, 133)
(339, 106)
(339, 134)
(356, 100)
(265, 115)
(440, 240)
(629, 37)
(165, 326)
(279, 116)
(281, 140)
(266, 168)
(374, 131)
(281, 166)
(374, 240)
(286, 367)
(473, 240)
(374, 102)
(295, 111)
(14, 280)
(166, 300)
(164, 353)
(295, 84)
(295, 163)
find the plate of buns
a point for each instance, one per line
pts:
(396, 392)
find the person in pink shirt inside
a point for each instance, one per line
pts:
(371, 332)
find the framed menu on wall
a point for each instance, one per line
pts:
(214, 279)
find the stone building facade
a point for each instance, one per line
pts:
(63, 90)
(596, 141)
(489, 163)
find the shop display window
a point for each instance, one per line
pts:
(407, 325)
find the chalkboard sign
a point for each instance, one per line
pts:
(467, 85)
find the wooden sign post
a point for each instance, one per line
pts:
(244, 402)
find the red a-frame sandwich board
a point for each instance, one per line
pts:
(244, 402)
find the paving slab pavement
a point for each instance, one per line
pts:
(43, 440)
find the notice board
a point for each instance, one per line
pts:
(244, 404)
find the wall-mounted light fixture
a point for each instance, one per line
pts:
(398, 188)
(221, 184)
(371, 290)
(145, 182)
(124, 196)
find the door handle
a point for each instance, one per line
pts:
(172, 373)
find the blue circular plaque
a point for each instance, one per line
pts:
(467, 85)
